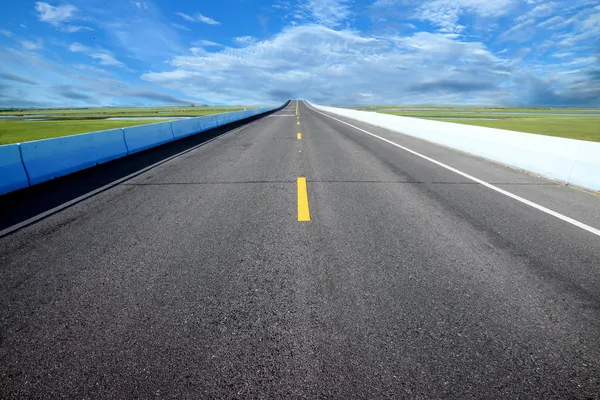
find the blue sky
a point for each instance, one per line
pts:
(154, 52)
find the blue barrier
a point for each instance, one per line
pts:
(209, 122)
(143, 137)
(12, 172)
(51, 158)
(109, 145)
(191, 126)
(30, 163)
(219, 120)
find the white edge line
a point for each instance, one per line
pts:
(79, 199)
(481, 182)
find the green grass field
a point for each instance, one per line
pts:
(73, 121)
(409, 109)
(582, 127)
(25, 131)
(98, 113)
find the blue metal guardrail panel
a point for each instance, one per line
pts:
(30, 163)
(143, 137)
(51, 158)
(12, 172)
(191, 126)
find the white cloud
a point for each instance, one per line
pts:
(23, 26)
(32, 46)
(206, 20)
(583, 60)
(149, 39)
(542, 10)
(539, 11)
(78, 48)
(65, 86)
(181, 27)
(386, 3)
(245, 40)
(16, 78)
(198, 18)
(75, 28)
(104, 57)
(592, 22)
(563, 54)
(55, 15)
(519, 32)
(550, 22)
(382, 64)
(90, 68)
(6, 33)
(188, 18)
(585, 28)
(206, 43)
(446, 13)
(423, 67)
(329, 12)
(58, 16)
(483, 8)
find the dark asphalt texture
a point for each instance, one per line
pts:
(195, 280)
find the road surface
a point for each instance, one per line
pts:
(220, 274)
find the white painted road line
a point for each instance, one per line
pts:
(474, 179)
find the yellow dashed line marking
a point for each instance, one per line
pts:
(299, 136)
(303, 209)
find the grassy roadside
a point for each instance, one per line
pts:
(469, 114)
(404, 110)
(99, 113)
(581, 127)
(25, 131)
(66, 122)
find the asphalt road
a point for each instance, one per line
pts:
(195, 279)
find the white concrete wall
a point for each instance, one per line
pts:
(571, 161)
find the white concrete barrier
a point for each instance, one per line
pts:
(570, 161)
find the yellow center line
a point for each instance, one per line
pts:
(299, 136)
(303, 210)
